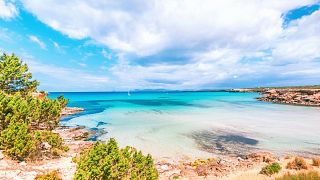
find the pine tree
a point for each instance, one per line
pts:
(14, 75)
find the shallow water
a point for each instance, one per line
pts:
(197, 124)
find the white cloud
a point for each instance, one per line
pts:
(38, 41)
(146, 28)
(7, 10)
(301, 40)
(65, 79)
(219, 40)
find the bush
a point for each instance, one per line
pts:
(22, 115)
(53, 139)
(297, 164)
(16, 141)
(271, 169)
(20, 143)
(108, 161)
(53, 175)
(316, 162)
(313, 175)
(40, 113)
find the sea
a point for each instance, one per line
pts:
(189, 125)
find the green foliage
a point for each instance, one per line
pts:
(23, 116)
(53, 175)
(108, 161)
(16, 141)
(40, 113)
(201, 162)
(53, 139)
(312, 175)
(19, 142)
(271, 169)
(14, 75)
(298, 163)
(63, 101)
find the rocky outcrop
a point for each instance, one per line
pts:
(213, 168)
(306, 97)
(70, 111)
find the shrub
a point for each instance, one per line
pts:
(203, 166)
(40, 113)
(312, 175)
(270, 169)
(22, 115)
(53, 139)
(297, 164)
(316, 162)
(108, 161)
(16, 141)
(200, 162)
(53, 175)
(20, 143)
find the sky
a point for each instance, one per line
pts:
(117, 45)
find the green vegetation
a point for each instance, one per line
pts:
(202, 166)
(108, 161)
(53, 175)
(39, 113)
(312, 175)
(17, 141)
(298, 163)
(14, 76)
(26, 121)
(271, 169)
(200, 162)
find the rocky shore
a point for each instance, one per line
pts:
(294, 96)
(71, 110)
(217, 167)
(305, 97)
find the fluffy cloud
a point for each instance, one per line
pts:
(217, 40)
(7, 10)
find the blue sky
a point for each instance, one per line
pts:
(170, 44)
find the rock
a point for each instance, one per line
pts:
(80, 134)
(45, 146)
(164, 167)
(71, 110)
(23, 163)
(306, 97)
(39, 95)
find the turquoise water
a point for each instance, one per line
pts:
(197, 124)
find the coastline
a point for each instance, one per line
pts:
(300, 96)
(246, 166)
(223, 167)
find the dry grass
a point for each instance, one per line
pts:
(53, 175)
(316, 162)
(311, 175)
(298, 163)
